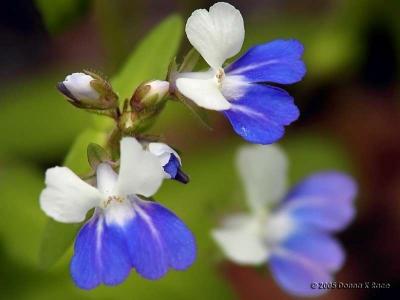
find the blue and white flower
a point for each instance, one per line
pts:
(170, 161)
(292, 231)
(126, 231)
(257, 111)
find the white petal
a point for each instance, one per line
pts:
(163, 152)
(79, 86)
(140, 171)
(218, 34)
(106, 179)
(263, 170)
(203, 92)
(241, 240)
(67, 198)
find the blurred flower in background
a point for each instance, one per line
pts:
(289, 230)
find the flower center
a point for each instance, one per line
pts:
(113, 199)
(220, 75)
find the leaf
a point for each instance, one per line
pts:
(21, 221)
(190, 61)
(60, 13)
(57, 238)
(76, 159)
(197, 111)
(96, 155)
(151, 58)
(311, 152)
(24, 106)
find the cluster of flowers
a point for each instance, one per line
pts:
(128, 229)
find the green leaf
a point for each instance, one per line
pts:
(200, 113)
(21, 221)
(76, 159)
(190, 61)
(58, 14)
(151, 58)
(311, 152)
(146, 62)
(24, 106)
(96, 155)
(57, 238)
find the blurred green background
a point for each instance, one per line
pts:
(350, 118)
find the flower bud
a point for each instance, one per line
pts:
(88, 90)
(169, 160)
(150, 95)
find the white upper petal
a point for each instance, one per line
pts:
(67, 198)
(218, 34)
(140, 171)
(263, 170)
(241, 239)
(163, 152)
(79, 86)
(205, 92)
(106, 179)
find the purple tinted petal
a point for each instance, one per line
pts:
(100, 255)
(295, 274)
(172, 166)
(330, 185)
(179, 243)
(278, 61)
(323, 200)
(84, 266)
(260, 114)
(158, 240)
(115, 259)
(318, 247)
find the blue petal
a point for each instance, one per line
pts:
(318, 247)
(260, 114)
(158, 240)
(278, 61)
(100, 255)
(295, 274)
(172, 166)
(323, 200)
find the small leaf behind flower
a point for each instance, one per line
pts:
(197, 111)
(190, 61)
(96, 155)
(57, 237)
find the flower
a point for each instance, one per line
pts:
(291, 231)
(150, 94)
(125, 231)
(89, 91)
(170, 161)
(77, 87)
(257, 111)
